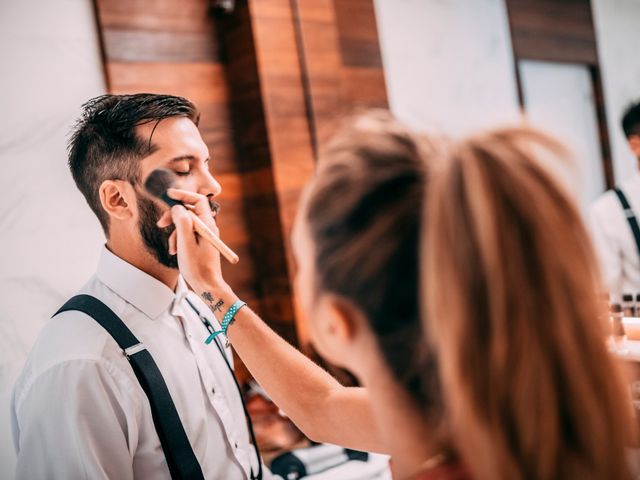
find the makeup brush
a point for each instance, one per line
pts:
(157, 184)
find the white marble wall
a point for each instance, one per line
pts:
(448, 63)
(559, 98)
(50, 240)
(617, 25)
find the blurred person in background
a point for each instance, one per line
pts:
(613, 219)
(458, 284)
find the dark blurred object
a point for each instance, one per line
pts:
(616, 321)
(628, 307)
(275, 432)
(225, 7)
(314, 460)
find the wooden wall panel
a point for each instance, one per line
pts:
(253, 143)
(285, 109)
(362, 69)
(320, 65)
(311, 68)
(553, 30)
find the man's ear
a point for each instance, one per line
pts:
(634, 145)
(116, 197)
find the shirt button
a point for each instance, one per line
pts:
(236, 445)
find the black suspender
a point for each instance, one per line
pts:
(631, 217)
(181, 460)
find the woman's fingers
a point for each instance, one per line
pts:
(185, 243)
(173, 243)
(181, 219)
(184, 195)
(185, 239)
(165, 219)
(201, 204)
(198, 261)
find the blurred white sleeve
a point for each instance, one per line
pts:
(77, 420)
(607, 247)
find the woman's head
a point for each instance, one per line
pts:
(466, 270)
(357, 238)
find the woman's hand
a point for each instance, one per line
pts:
(199, 261)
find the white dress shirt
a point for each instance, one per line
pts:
(78, 411)
(614, 242)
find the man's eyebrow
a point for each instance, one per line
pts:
(180, 158)
(185, 157)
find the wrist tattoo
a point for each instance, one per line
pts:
(218, 306)
(207, 297)
(212, 303)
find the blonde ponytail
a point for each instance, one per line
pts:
(510, 308)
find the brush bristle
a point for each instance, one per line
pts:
(159, 181)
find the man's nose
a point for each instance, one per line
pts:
(209, 185)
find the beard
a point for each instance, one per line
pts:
(156, 239)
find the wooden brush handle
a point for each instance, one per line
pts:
(205, 232)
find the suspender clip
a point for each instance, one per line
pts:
(132, 350)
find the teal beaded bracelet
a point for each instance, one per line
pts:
(226, 320)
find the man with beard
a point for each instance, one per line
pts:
(79, 410)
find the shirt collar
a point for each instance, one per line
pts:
(147, 294)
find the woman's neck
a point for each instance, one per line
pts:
(401, 424)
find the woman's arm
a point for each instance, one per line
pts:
(322, 408)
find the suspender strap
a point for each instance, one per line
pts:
(181, 460)
(631, 217)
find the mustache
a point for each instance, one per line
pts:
(215, 206)
(215, 210)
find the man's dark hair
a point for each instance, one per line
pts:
(631, 120)
(104, 145)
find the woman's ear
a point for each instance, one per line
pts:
(345, 322)
(116, 197)
(338, 330)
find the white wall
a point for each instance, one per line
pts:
(448, 63)
(559, 98)
(449, 66)
(50, 241)
(617, 25)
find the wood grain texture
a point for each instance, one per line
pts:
(251, 139)
(359, 44)
(362, 69)
(287, 125)
(315, 23)
(553, 30)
